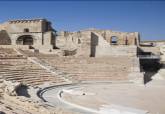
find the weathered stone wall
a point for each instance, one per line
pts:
(85, 42)
(153, 50)
(18, 26)
(123, 38)
(49, 38)
(156, 43)
(152, 46)
(39, 33)
(104, 49)
(33, 25)
(37, 37)
(4, 38)
(162, 51)
(34, 32)
(116, 51)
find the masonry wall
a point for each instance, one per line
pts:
(49, 38)
(104, 49)
(116, 51)
(36, 31)
(37, 37)
(4, 38)
(85, 46)
(152, 46)
(18, 27)
(123, 38)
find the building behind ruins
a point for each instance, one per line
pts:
(36, 33)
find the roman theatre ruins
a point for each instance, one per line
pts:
(91, 71)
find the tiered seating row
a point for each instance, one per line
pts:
(8, 53)
(94, 69)
(22, 70)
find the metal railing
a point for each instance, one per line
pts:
(149, 56)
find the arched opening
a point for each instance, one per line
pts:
(25, 40)
(114, 40)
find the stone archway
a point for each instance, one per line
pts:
(114, 40)
(25, 40)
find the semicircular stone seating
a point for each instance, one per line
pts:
(79, 69)
(21, 70)
(93, 69)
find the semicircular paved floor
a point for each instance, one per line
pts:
(98, 95)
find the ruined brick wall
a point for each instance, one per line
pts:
(82, 39)
(49, 38)
(36, 31)
(19, 26)
(102, 48)
(123, 38)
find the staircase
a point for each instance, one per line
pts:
(9, 53)
(27, 72)
(94, 69)
(51, 69)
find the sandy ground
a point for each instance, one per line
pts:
(94, 96)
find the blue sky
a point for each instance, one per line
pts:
(146, 17)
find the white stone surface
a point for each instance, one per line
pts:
(117, 109)
(160, 75)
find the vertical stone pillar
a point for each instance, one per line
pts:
(137, 36)
(13, 40)
(135, 75)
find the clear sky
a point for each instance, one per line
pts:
(146, 17)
